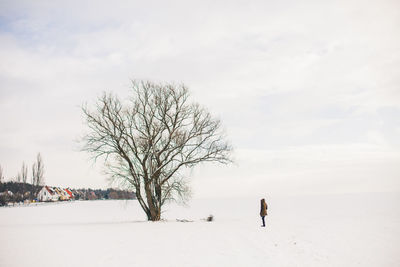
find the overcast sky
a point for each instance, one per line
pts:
(308, 91)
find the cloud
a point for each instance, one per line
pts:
(285, 77)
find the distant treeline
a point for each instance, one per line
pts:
(14, 192)
(17, 192)
(110, 193)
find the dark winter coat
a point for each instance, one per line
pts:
(264, 207)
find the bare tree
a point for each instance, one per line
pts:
(149, 141)
(1, 175)
(24, 172)
(18, 178)
(38, 171)
(34, 173)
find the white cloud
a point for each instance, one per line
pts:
(281, 75)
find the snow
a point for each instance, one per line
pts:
(336, 230)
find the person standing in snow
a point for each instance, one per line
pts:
(263, 211)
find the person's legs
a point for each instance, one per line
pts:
(263, 220)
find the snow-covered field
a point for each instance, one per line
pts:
(340, 230)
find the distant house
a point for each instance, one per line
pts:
(70, 194)
(58, 192)
(65, 194)
(62, 193)
(91, 195)
(77, 194)
(48, 194)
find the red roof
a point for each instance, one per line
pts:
(69, 192)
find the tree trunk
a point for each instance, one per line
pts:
(143, 204)
(155, 211)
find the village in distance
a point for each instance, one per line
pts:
(19, 191)
(15, 193)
